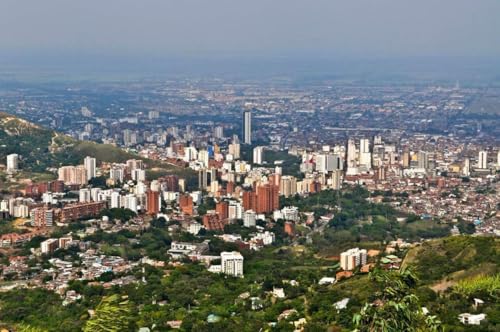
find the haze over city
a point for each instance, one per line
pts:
(132, 35)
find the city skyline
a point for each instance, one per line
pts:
(249, 165)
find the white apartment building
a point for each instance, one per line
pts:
(85, 195)
(138, 175)
(90, 166)
(49, 246)
(12, 162)
(352, 258)
(116, 174)
(249, 218)
(258, 155)
(235, 210)
(232, 263)
(482, 162)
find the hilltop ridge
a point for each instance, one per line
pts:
(41, 149)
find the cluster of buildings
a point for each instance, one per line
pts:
(338, 138)
(428, 175)
(48, 217)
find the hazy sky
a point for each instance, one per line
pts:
(259, 27)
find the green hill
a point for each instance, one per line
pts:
(443, 262)
(41, 148)
(453, 272)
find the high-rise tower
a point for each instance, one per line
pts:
(247, 127)
(90, 165)
(482, 160)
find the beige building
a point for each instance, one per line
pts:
(73, 174)
(352, 258)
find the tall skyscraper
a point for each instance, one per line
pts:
(129, 137)
(202, 179)
(336, 179)
(219, 132)
(222, 209)
(134, 164)
(321, 163)
(115, 200)
(351, 157)
(258, 153)
(234, 150)
(406, 158)
(365, 157)
(138, 175)
(466, 168)
(153, 202)
(482, 160)
(267, 198)
(130, 201)
(247, 127)
(249, 218)
(203, 156)
(423, 160)
(116, 174)
(90, 165)
(85, 195)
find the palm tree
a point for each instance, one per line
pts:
(113, 314)
(396, 308)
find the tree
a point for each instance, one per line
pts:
(118, 213)
(98, 182)
(113, 314)
(28, 328)
(397, 308)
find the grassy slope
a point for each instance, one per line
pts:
(443, 262)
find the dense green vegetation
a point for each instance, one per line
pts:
(113, 314)
(153, 243)
(455, 256)
(27, 140)
(290, 163)
(121, 214)
(398, 308)
(459, 269)
(190, 293)
(356, 220)
(39, 308)
(489, 285)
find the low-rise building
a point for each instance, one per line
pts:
(470, 319)
(183, 249)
